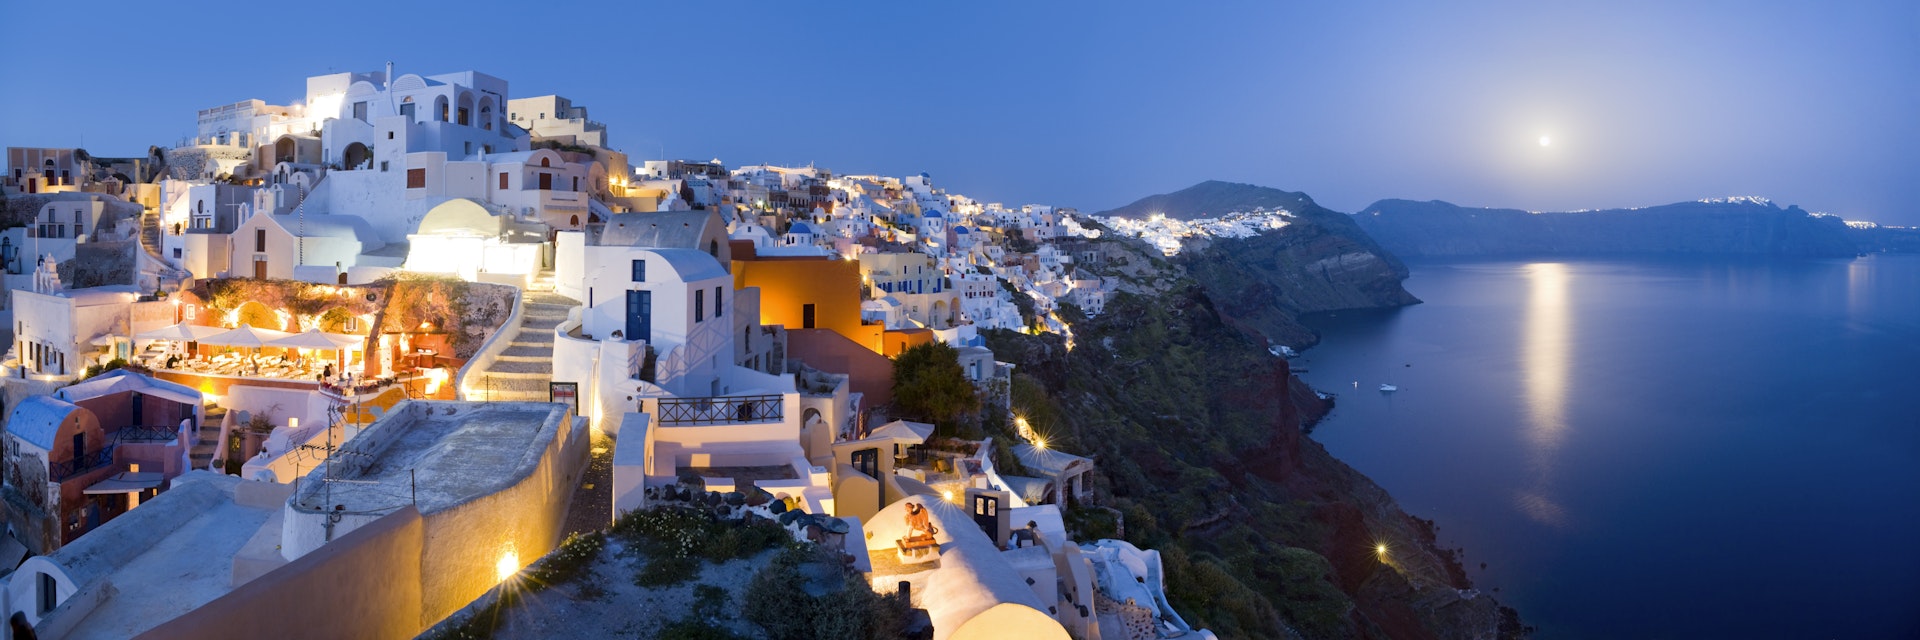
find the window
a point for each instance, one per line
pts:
(383, 166)
(389, 135)
(188, 311)
(503, 180)
(49, 596)
(639, 271)
(352, 324)
(806, 316)
(467, 147)
(416, 178)
(407, 110)
(360, 111)
(176, 253)
(699, 304)
(718, 304)
(259, 239)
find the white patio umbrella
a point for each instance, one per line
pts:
(182, 332)
(245, 336)
(317, 339)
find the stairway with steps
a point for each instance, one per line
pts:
(524, 368)
(207, 441)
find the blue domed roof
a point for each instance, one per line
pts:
(37, 419)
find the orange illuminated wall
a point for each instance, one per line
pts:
(899, 340)
(788, 284)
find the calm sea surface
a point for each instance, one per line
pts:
(1653, 448)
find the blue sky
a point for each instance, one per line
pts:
(1094, 104)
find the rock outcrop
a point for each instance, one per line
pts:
(1736, 227)
(1321, 261)
(1200, 436)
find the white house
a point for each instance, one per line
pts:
(276, 246)
(555, 117)
(54, 330)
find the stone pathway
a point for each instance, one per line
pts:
(524, 368)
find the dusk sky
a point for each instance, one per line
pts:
(1092, 105)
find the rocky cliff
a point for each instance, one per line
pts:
(1737, 227)
(1198, 433)
(1321, 261)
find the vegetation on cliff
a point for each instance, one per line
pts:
(1197, 433)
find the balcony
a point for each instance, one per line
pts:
(62, 471)
(157, 434)
(693, 412)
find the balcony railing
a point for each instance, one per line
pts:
(146, 434)
(61, 471)
(686, 412)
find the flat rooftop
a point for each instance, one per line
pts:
(436, 454)
(187, 561)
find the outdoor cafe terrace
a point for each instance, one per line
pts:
(212, 359)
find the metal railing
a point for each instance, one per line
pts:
(720, 410)
(61, 471)
(146, 434)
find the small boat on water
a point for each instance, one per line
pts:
(1388, 388)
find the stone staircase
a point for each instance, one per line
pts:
(207, 442)
(524, 368)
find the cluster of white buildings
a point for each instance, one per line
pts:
(730, 324)
(1169, 234)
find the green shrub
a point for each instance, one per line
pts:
(574, 557)
(775, 601)
(665, 571)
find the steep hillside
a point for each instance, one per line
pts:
(1320, 261)
(1211, 198)
(1739, 227)
(1198, 434)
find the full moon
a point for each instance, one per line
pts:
(1546, 141)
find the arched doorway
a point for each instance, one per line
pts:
(356, 154)
(283, 150)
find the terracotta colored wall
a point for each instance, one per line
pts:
(870, 373)
(787, 285)
(364, 585)
(900, 340)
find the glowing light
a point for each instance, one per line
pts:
(947, 495)
(1380, 548)
(1040, 443)
(1546, 141)
(435, 377)
(509, 564)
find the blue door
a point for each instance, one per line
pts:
(640, 315)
